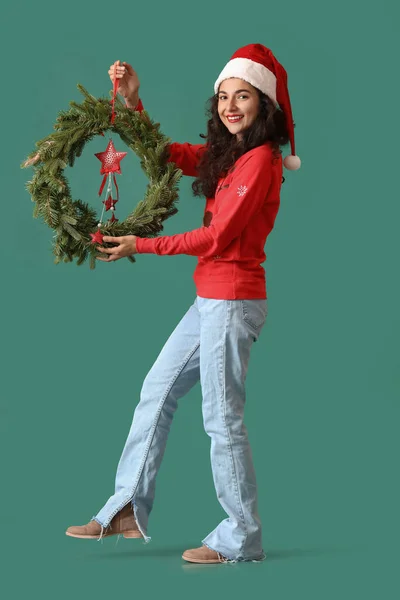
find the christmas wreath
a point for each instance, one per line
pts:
(76, 225)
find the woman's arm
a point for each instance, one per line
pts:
(243, 199)
(186, 156)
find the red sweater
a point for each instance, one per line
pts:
(230, 244)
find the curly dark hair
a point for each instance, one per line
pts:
(224, 148)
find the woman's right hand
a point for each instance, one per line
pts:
(128, 82)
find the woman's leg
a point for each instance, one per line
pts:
(173, 374)
(228, 329)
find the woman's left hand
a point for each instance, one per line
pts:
(126, 247)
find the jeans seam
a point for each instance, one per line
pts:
(152, 430)
(227, 432)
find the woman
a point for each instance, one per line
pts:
(239, 170)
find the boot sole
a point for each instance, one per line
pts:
(198, 560)
(127, 535)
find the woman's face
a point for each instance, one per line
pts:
(238, 105)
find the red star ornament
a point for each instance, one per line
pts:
(113, 218)
(109, 202)
(97, 238)
(110, 159)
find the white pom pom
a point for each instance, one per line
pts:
(292, 163)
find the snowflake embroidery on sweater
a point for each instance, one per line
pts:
(242, 189)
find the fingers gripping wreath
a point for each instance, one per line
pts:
(73, 221)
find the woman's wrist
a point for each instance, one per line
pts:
(132, 102)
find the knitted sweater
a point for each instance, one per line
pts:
(229, 246)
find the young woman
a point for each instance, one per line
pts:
(239, 171)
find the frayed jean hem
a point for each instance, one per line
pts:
(235, 560)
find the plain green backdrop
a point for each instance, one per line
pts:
(323, 383)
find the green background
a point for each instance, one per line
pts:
(323, 383)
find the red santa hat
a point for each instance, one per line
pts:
(257, 65)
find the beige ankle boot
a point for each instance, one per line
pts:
(122, 524)
(203, 555)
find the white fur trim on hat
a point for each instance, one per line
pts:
(252, 72)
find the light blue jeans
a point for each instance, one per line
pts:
(211, 344)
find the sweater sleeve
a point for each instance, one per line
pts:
(237, 204)
(186, 156)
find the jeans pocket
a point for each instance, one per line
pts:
(254, 313)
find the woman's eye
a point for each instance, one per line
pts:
(224, 97)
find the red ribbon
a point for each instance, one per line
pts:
(116, 186)
(103, 183)
(114, 94)
(115, 87)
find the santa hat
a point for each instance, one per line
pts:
(257, 65)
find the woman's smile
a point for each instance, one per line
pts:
(234, 119)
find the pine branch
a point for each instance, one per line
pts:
(73, 221)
